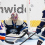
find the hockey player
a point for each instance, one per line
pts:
(2, 33)
(15, 25)
(38, 30)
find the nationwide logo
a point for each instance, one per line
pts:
(20, 9)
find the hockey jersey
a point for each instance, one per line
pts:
(43, 16)
(2, 32)
(15, 28)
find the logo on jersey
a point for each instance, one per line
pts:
(13, 31)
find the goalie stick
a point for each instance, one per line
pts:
(15, 38)
(27, 38)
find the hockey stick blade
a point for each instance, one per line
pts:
(9, 42)
(27, 38)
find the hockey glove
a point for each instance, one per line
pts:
(38, 31)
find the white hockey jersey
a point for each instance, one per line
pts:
(17, 27)
(2, 32)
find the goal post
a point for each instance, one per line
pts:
(28, 14)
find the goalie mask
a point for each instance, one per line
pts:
(14, 16)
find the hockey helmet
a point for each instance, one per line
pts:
(14, 16)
